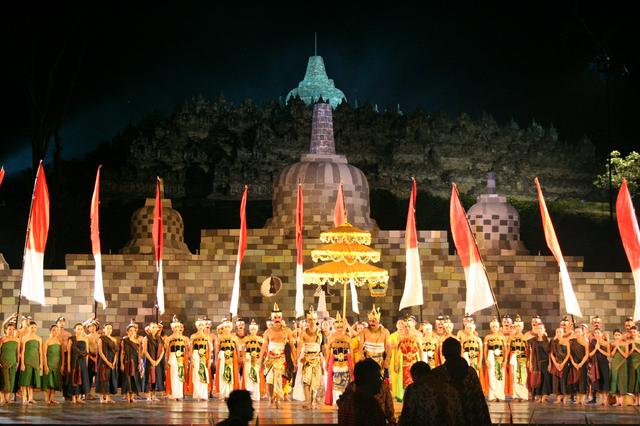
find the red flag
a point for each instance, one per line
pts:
(412, 295)
(98, 287)
(1, 175)
(479, 294)
(630, 235)
(242, 247)
(340, 211)
(157, 233)
(299, 307)
(570, 300)
(38, 228)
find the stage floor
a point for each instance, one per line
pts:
(204, 413)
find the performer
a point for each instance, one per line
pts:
(628, 323)
(227, 377)
(153, 352)
(130, 363)
(494, 353)
(579, 356)
(251, 344)
(567, 326)
(310, 363)
(471, 349)
(107, 371)
(92, 326)
(77, 350)
(430, 346)
(540, 381)
(200, 355)
(535, 322)
(273, 354)
(559, 353)
(374, 341)
(9, 349)
(465, 320)
(52, 379)
(439, 327)
(177, 353)
(600, 374)
(30, 363)
(240, 333)
(447, 325)
(393, 343)
(619, 371)
(516, 382)
(213, 344)
(634, 364)
(408, 351)
(339, 362)
(507, 326)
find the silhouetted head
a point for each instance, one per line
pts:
(240, 405)
(419, 371)
(451, 348)
(367, 376)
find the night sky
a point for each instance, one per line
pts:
(529, 62)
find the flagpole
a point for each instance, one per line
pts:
(484, 268)
(26, 238)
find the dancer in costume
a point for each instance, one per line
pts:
(634, 364)
(430, 346)
(177, 353)
(252, 380)
(77, 351)
(579, 356)
(153, 352)
(227, 369)
(9, 350)
(600, 374)
(339, 362)
(374, 341)
(619, 371)
(393, 342)
(200, 356)
(92, 326)
(52, 378)
(30, 363)
(535, 321)
(310, 363)
(507, 326)
(465, 320)
(273, 354)
(540, 381)
(408, 351)
(495, 344)
(213, 342)
(107, 373)
(516, 382)
(559, 354)
(439, 327)
(130, 350)
(471, 348)
(240, 332)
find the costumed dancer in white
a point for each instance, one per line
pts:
(252, 379)
(310, 364)
(494, 347)
(177, 355)
(200, 355)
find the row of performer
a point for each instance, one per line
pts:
(312, 364)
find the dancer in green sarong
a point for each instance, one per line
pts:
(52, 377)
(633, 362)
(619, 376)
(30, 363)
(9, 348)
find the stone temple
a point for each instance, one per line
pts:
(317, 85)
(200, 284)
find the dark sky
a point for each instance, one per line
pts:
(529, 61)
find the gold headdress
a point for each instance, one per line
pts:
(339, 321)
(495, 320)
(374, 314)
(253, 324)
(174, 322)
(517, 319)
(312, 314)
(276, 311)
(133, 324)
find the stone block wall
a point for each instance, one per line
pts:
(201, 284)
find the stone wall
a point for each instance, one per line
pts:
(198, 284)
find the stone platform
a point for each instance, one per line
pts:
(204, 413)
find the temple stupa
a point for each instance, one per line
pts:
(317, 85)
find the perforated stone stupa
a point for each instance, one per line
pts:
(317, 84)
(320, 171)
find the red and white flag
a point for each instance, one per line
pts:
(157, 233)
(630, 235)
(479, 294)
(37, 230)
(570, 300)
(299, 308)
(98, 287)
(340, 210)
(412, 295)
(242, 247)
(1, 175)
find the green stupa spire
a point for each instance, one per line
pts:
(316, 84)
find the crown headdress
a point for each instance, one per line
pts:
(517, 318)
(276, 309)
(312, 314)
(374, 314)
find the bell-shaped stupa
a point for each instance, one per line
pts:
(317, 85)
(320, 171)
